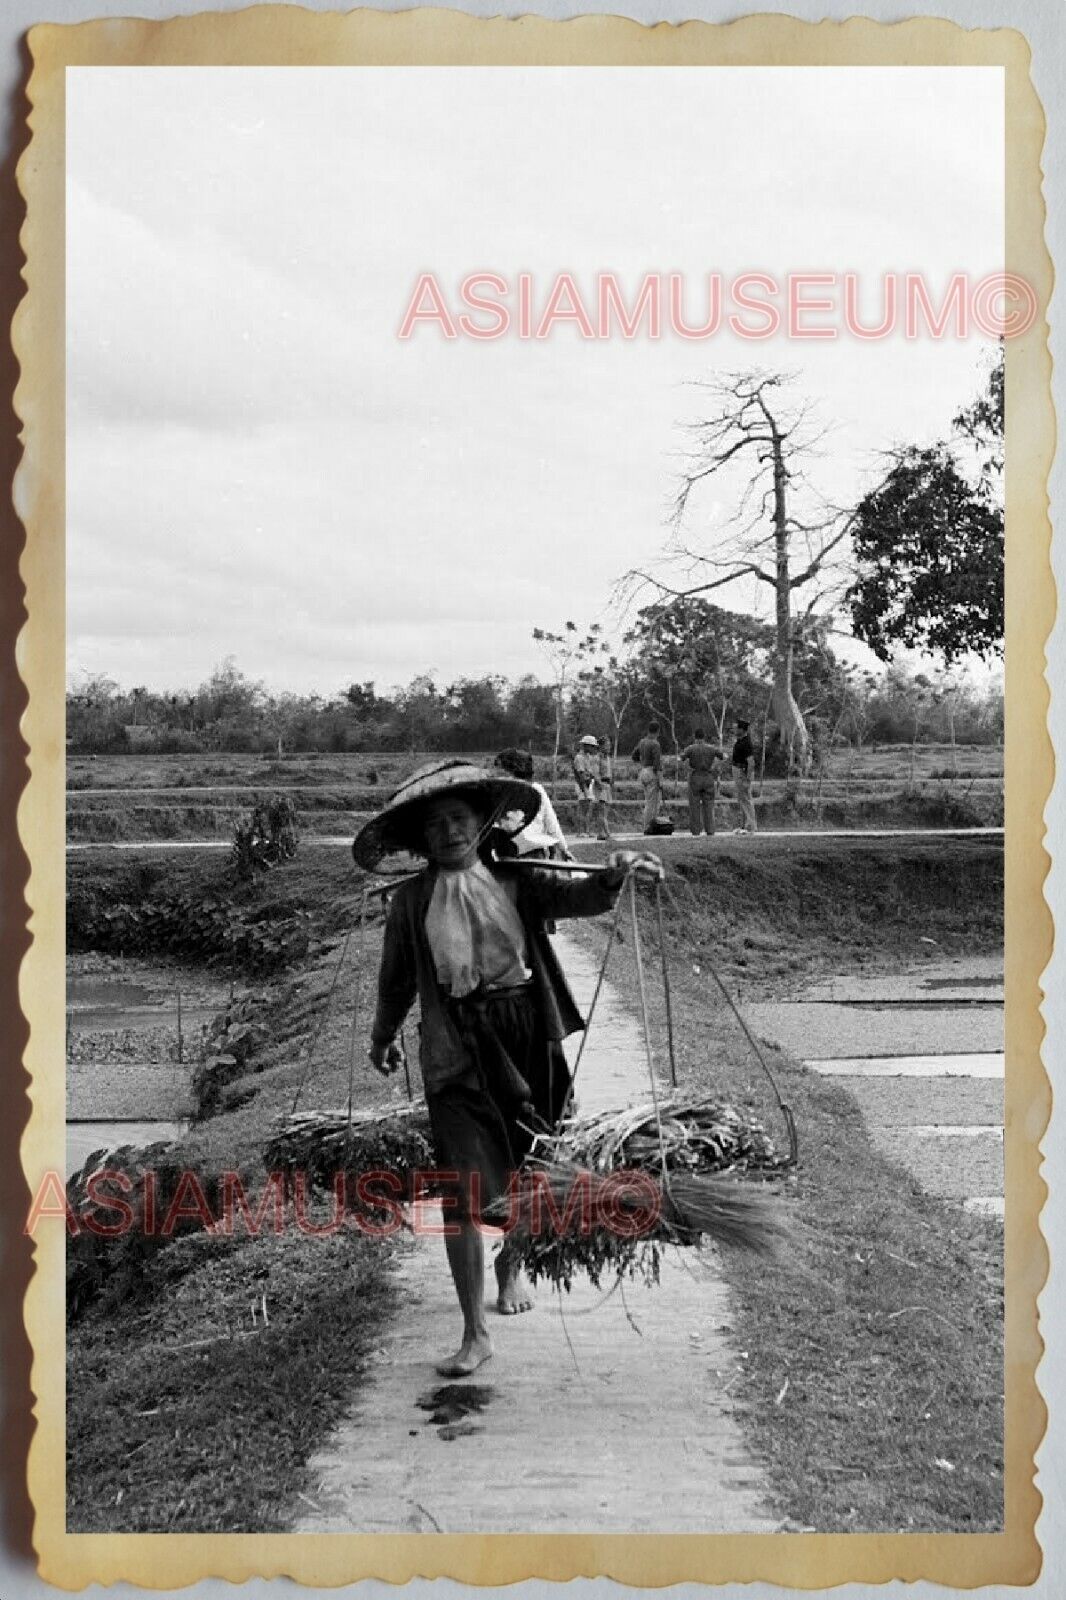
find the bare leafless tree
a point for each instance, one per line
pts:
(752, 424)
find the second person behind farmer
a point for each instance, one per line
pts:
(543, 838)
(649, 757)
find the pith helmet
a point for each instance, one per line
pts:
(397, 826)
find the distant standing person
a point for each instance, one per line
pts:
(602, 788)
(743, 772)
(649, 756)
(704, 766)
(586, 768)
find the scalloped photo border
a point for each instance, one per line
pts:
(289, 36)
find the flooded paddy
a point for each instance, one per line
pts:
(134, 1034)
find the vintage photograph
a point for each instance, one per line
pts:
(535, 799)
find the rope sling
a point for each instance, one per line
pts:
(661, 888)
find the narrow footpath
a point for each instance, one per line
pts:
(600, 1412)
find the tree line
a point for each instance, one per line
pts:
(698, 666)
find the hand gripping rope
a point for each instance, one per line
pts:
(661, 888)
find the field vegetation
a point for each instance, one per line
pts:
(145, 797)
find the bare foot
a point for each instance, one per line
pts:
(516, 1293)
(474, 1351)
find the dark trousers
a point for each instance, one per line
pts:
(701, 796)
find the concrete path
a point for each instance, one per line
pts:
(922, 1052)
(580, 1423)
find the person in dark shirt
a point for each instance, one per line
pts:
(704, 766)
(743, 763)
(649, 756)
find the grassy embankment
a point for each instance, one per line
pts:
(184, 1414)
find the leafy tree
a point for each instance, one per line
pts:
(94, 714)
(474, 713)
(421, 709)
(362, 699)
(928, 543)
(708, 661)
(611, 686)
(530, 712)
(564, 650)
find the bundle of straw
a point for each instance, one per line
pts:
(321, 1144)
(601, 1194)
(564, 1218)
(681, 1134)
(684, 1155)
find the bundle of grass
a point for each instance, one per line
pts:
(683, 1135)
(607, 1193)
(563, 1219)
(321, 1144)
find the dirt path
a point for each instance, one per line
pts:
(598, 1413)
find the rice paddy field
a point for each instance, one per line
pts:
(140, 797)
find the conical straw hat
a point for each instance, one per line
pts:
(397, 827)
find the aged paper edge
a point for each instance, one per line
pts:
(288, 36)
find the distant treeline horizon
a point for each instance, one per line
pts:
(232, 712)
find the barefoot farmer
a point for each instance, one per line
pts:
(467, 938)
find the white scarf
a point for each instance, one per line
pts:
(475, 933)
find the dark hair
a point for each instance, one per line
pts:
(742, 722)
(698, 733)
(653, 727)
(519, 763)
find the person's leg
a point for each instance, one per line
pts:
(514, 1290)
(650, 786)
(740, 784)
(749, 808)
(693, 807)
(466, 1258)
(709, 798)
(656, 795)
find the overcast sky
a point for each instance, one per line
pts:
(258, 467)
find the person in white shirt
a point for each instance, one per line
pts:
(585, 762)
(543, 838)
